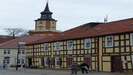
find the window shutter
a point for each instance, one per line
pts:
(71, 61)
(48, 61)
(60, 61)
(89, 61)
(67, 61)
(53, 61)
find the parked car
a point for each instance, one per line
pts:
(2, 66)
(15, 66)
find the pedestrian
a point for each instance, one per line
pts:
(84, 67)
(4, 66)
(22, 65)
(74, 68)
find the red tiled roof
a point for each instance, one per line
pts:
(14, 43)
(115, 27)
(4, 38)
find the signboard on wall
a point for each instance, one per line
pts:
(6, 57)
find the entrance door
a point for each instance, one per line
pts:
(29, 62)
(116, 64)
(69, 61)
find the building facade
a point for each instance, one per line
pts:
(10, 49)
(103, 46)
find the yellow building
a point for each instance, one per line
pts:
(103, 46)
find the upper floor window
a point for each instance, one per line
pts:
(87, 43)
(69, 45)
(131, 38)
(21, 51)
(109, 41)
(45, 46)
(57, 45)
(7, 52)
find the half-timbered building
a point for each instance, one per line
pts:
(103, 46)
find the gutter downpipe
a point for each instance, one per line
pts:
(97, 50)
(33, 55)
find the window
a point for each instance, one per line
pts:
(41, 22)
(69, 45)
(7, 52)
(131, 39)
(109, 41)
(57, 61)
(46, 62)
(45, 46)
(87, 43)
(5, 61)
(53, 23)
(21, 61)
(41, 28)
(57, 45)
(21, 51)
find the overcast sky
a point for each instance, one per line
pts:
(69, 13)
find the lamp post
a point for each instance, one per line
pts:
(17, 57)
(19, 43)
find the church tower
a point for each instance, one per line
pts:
(45, 25)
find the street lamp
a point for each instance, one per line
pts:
(17, 57)
(19, 43)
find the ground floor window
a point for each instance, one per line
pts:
(6, 61)
(46, 61)
(21, 61)
(57, 61)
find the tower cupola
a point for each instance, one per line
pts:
(46, 14)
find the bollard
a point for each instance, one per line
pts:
(97, 69)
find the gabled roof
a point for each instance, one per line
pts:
(14, 43)
(100, 29)
(4, 38)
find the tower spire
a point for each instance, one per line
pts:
(46, 14)
(47, 1)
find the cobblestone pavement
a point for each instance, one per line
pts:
(12, 71)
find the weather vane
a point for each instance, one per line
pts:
(47, 0)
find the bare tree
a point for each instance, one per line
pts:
(15, 31)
